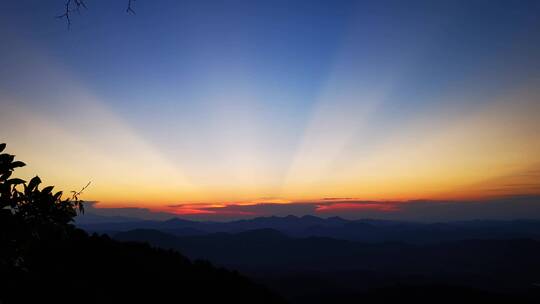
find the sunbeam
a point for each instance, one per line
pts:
(357, 100)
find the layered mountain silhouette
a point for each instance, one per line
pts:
(269, 250)
(333, 260)
(321, 269)
(335, 227)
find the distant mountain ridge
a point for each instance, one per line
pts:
(366, 230)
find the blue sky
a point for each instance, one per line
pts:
(238, 101)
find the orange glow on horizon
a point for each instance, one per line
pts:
(349, 206)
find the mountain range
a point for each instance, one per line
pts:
(322, 269)
(365, 230)
(310, 259)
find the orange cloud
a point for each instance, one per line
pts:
(344, 206)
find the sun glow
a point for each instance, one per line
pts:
(379, 123)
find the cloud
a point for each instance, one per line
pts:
(242, 210)
(507, 208)
(132, 212)
(432, 210)
(356, 206)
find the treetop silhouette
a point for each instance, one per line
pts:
(29, 213)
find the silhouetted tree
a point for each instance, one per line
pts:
(45, 258)
(28, 213)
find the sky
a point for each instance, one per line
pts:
(198, 107)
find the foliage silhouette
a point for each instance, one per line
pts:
(28, 214)
(45, 258)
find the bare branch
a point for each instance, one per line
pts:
(130, 10)
(68, 9)
(75, 5)
(77, 194)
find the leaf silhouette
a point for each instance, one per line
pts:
(17, 164)
(2, 147)
(6, 159)
(57, 195)
(47, 189)
(15, 181)
(34, 182)
(5, 175)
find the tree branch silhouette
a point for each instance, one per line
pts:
(129, 9)
(28, 213)
(76, 5)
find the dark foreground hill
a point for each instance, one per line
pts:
(324, 270)
(97, 269)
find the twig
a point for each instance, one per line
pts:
(77, 194)
(77, 4)
(67, 12)
(129, 10)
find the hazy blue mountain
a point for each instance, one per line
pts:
(367, 230)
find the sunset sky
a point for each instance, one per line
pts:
(192, 106)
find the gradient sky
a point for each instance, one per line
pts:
(242, 102)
